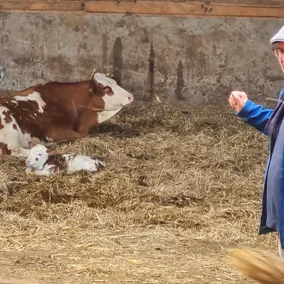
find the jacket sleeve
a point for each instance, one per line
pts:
(255, 115)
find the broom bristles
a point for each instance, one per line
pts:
(264, 267)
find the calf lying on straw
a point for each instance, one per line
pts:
(44, 161)
(263, 267)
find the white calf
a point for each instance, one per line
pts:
(44, 161)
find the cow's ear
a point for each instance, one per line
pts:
(31, 145)
(91, 76)
(51, 151)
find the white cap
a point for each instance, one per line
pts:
(279, 36)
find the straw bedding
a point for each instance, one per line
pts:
(181, 185)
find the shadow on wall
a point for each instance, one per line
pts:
(2, 73)
(150, 87)
(118, 65)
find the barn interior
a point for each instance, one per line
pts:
(183, 178)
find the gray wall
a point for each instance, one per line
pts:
(197, 59)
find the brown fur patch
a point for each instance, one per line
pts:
(4, 149)
(57, 160)
(8, 118)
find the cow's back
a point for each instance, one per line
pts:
(46, 105)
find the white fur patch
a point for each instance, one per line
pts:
(45, 171)
(105, 115)
(119, 98)
(103, 79)
(37, 158)
(15, 139)
(82, 162)
(36, 97)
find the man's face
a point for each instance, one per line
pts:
(279, 53)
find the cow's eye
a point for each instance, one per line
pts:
(36, 159)
(40, 155)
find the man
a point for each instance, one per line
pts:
(269, 122)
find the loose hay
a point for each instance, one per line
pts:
(264, 267)
(177, 172)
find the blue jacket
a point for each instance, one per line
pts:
(257, 117)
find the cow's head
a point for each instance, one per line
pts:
(38, 156)
(114, 96)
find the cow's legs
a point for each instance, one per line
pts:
(61, 134)
(20, 151)
(13, 150)
(88, 119)
(12, 140)
(4, 150)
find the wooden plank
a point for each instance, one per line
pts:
(243, 2)
(36, 5)
(135, 1)
(42, 1)
(273, 3)
(156, 7)
(183, 9)
(237, 2)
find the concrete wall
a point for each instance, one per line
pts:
(178, 58)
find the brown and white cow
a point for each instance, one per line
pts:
(57, 111)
